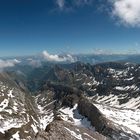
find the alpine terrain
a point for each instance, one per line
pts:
(72, 101)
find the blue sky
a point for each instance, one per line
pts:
(75, 26)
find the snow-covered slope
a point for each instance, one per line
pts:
(114, 101)
(127, 119)
(45, 107)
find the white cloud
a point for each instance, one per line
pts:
(34, 62)
(57, 58)
(127, 11)
(8, 63)
(61, 4)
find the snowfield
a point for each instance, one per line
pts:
(72, 115)
(122, 117)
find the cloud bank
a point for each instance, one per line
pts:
(8, 63)
(34, 62)
(127, 11)
(57, 58)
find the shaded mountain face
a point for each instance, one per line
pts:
(74, 101)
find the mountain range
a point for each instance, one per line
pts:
(70, 101)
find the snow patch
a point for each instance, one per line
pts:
(4, 104)
(34, 128)
(16, 136)
(72, 115)
(10, 93)
(77, 136)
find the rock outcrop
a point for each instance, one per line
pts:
(61, 130)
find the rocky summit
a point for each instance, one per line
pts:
(74, 101)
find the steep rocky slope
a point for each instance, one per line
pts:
(66, 131)
(18, 115)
